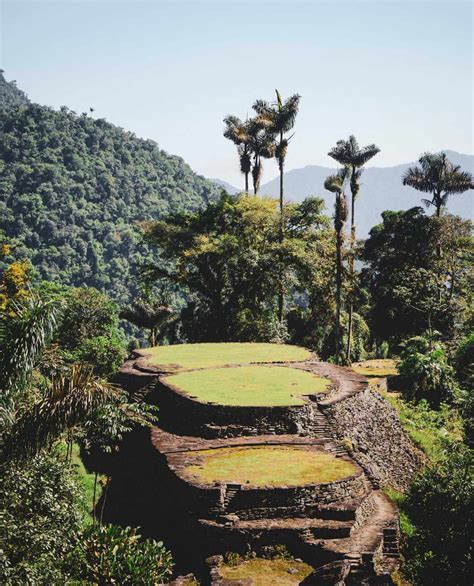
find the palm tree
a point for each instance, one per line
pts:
(69, 400)
(279, 118)
(440, 177)
(237, 131)
(350, 155)
(335, 184)
(147, 314)
(262, 146)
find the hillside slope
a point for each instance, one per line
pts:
(72, 190)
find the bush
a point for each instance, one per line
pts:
(40, 521)
(426, 372)
(465, 362)
(116, 555)
(440, 504)
(105, 354)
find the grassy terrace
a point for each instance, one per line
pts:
(269, 466)
(264, 572)
(379, 367)
(268, 386)
(186, 356)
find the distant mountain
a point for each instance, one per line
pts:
(231, 190)
(381, 190)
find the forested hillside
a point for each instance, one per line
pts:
(73, 188)
(10, 95)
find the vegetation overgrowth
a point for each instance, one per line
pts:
(264, 386)
(269, 466)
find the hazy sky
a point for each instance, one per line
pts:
(397, 73)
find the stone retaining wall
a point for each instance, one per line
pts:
(371, 430)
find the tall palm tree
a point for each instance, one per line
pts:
(279, 118)
(349, 154)
(262, 146)
(148, 314)
(335, 184)
(238, 132)
(440, 177)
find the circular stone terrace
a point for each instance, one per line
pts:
(266, 465)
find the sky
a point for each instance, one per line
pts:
(395, 73)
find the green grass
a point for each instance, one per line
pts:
(428, 429)
(185, 356)
(269, 466)
(264, 572)
(264, 386)
(379, 367)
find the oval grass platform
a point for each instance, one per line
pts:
(268, 466)
(249, 386)
(379, 367)
(263, 572)
(207, 355)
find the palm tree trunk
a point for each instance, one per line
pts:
(104, 500)
(338, 293)
(281, 293)
(351, 272)
(94, 496)
(246, 182)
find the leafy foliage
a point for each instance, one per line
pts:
(73, 189)
(426, 372)
(115, 555)
(412, 289)
(227, 257)
(440, 549)
(40, 521)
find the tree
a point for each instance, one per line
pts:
(411, 289)
(262, 147)
(238, 132)
(279, 118)
(335, 184)
(439, 177)
(225, 258)
(68, 401)
(349, 154)
(149, 314)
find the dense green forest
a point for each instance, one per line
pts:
(73, 190)
(98, 225)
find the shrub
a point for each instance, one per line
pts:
(116, 555)
(440, 504)
(426, 372)
(465, 362)
(40, 521)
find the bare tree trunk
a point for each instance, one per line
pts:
(104, 499)
(246, 182)
(351, 272)
(281, 293)
(338, 293)
(94, 495)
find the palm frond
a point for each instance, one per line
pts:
(70, 400)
